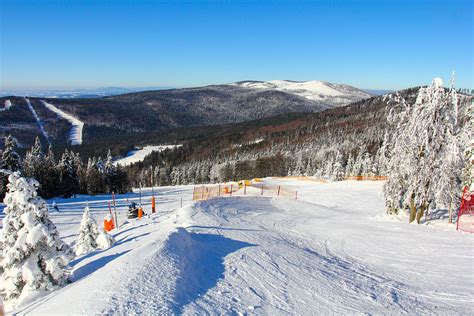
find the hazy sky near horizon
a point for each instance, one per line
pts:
(380, 44)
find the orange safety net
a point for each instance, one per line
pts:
(241, 188)
(367, 178)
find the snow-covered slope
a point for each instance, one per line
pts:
(140, 154)
(75, 135)
(332, 94)
(333, 251)
(38, 120)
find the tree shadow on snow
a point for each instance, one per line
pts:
(93, 265)
(200, 258)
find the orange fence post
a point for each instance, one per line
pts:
(202, 192)
(194, 193)
(140, 212)
(219, 194)
(245, 189)
(153, 209)
(231, 190)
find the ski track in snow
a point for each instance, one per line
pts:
(326, 253)
(38, 120)
(75, 135)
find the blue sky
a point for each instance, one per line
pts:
(370, 44)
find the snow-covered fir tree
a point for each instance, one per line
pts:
(33, 162)
(87, 234)
(338, 170)
(34, 257)
(425, 148)
(349, 165)
(10, 160)
(67, 175)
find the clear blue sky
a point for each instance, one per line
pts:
(370, 44)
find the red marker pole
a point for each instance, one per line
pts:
(153, 209)
(115, 211)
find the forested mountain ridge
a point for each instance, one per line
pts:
(334, 143)
(128, 116)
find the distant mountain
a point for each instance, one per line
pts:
(378, 92)
(77, 93)
(320, 92)
(136, 115)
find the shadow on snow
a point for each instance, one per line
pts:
(200, 258)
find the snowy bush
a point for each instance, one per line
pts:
(34, 258)
(87, 235)
(104, 240)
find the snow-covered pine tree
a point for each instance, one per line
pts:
(87, 234)
(50, 177)
(367, 165)
(94, 177)
(34, 257)
(68, 179)
(33, 163)
(349, 165)
(358, 164)
(111, 174)
(338, 170)
(10, 160)
(424, 149)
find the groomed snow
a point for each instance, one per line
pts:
(332, 251)
(140, 154)
(75, 135)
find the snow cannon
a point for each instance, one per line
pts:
(108, 223)
(132, 210)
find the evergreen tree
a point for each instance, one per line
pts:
(68, 180)
(338, 170)
(87, 235)
(93, 177)
(350, 165)
(34, 257)
(33, 162)
(10, 160)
